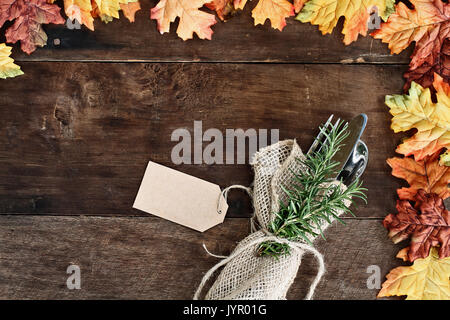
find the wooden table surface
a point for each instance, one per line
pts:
(94, 107)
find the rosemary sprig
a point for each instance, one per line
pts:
(311, 201)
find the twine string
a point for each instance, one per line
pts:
(292, 244)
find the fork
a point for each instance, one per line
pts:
(352, 169)
(316, 146)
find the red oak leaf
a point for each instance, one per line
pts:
(428, 225)
(29, 15)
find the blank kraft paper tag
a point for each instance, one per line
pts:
(180, 198)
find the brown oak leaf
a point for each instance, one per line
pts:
(426, 174)
(428, 225)
(29, 15)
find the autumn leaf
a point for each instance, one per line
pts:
(424, 74)
(426, 279)
(428, 25)
(275, 10)
(428, 225)
(426, 174)
(445, 159)
(80, 10)
(84, 11)
(298, 5)
(326, 13)
(130, 8)
(225, 8)
(417, 110)
(8, 69)
(191, 18)
(109, 9)
(28, 17)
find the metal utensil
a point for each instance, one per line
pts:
(355, 128)
(356, 164)
(316, 145)
(353, 156)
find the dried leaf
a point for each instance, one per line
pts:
(417, 110)
(8, 69)
(80, 10)
(84, 11)
(225, 8)
(424, 74)
(426, 174)
(275, 10)
(298, 5)
(426, 279)
(129, 9)
(28, 17)
(326, 13)
(428, 25)
(191, 18)
(445, 159)
(428, 225)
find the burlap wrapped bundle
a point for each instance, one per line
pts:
(247, 276)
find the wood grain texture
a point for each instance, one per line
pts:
(78, 142)
(236, 40)
(149, 258)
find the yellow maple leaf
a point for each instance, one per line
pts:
(426, 279)
(191, 18)
(417, 110)
(8, 69)
(326, 13)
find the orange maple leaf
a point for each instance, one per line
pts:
(298, 5)
(427, 175)
(191, 18)
(129, 9)
(428, 25)
(275, 10)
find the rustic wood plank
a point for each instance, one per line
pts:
(349, 250)
(236, 40)
(150, 258)
(78, 143)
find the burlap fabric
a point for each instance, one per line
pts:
(246, 276)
